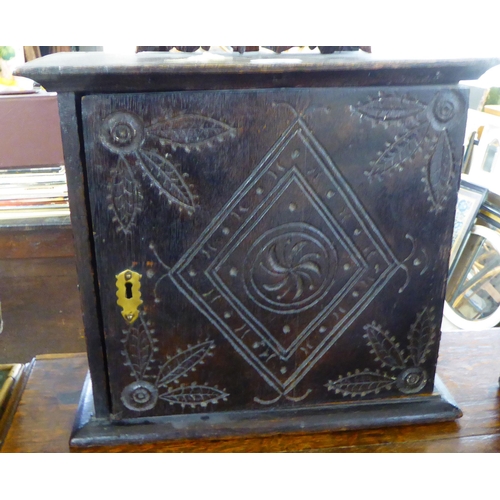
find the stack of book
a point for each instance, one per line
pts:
(33, 196)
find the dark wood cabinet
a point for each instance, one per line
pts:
(262, 247)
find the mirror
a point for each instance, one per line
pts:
(473, 293)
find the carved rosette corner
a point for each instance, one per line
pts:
(424, 131)
(403, 367)
(166, 381)
(124, 134)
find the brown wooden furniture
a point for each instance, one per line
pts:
(13, 378)
(277, 241)
(38, 289)
(468, 365)
(31, 135)
(40, 301)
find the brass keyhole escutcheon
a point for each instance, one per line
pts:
(128, 292)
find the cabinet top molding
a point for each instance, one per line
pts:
(156, 71)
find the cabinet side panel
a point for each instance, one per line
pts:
(87, 280)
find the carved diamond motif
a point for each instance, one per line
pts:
(283, 292)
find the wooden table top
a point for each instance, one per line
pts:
(469, 365)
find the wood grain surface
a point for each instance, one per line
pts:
(96, 72)
(271, 244)
(45, 414)
(85, 258)
(36, 243)
(40, 308)
(469, 366)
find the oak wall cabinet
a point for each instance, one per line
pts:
(262, 240)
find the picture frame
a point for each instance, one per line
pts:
(485, 163)
(471, 197)
(489, 214)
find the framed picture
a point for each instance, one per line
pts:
(485, 163)
(470, 198)
(489, 215)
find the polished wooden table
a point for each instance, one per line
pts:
(469, 365)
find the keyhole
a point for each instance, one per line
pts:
(128, 290)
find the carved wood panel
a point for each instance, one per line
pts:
(293, 244)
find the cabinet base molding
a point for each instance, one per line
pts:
(175, 433)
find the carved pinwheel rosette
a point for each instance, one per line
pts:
(164, 382)
(289, 271)
(124, 134)
(404, 366)
(424, 131)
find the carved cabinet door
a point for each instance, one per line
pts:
(271, 248)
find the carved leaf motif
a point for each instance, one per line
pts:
(440, 169)
(385, 349)
(400, 151)
(191, 131)
(182, 363)
(361, 383)
(390, 108)
(422, 336)
(124, 196)
(166, 178)
(193, 395)
(139, 350)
